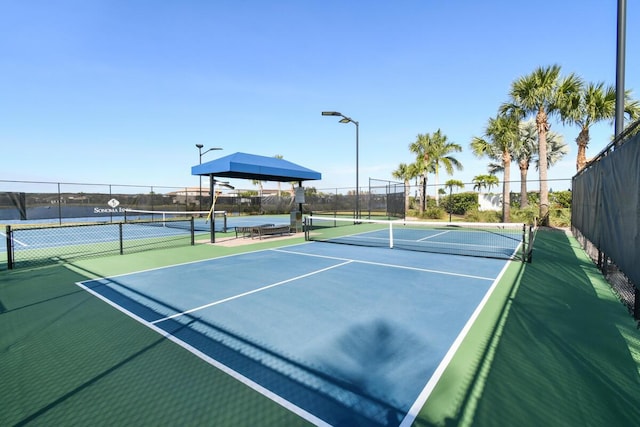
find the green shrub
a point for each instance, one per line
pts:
(475, 215)
(434, 213)
(560, 217)
(527, 215)
(459, 204)
(560, 199)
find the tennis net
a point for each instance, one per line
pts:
(488, 240)
(178, 219)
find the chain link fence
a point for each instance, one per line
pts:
(26, 203)
(40, 245)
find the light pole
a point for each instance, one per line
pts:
(200, 153)
(346, 119)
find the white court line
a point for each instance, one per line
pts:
(403, 267)
(433, 243)
(13, 239)
(432, 236)
(273, 285)
(458, 244)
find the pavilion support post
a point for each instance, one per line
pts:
(300, 203)
(212, 213)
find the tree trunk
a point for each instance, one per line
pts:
(407, 190)
(423, 199)
(437, 190)
(524, 170)
(506, 190)
(583, 141)
(543, 127)
(425, 159)
(421, 195)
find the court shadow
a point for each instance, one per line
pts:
(337, 397)
(45, 295)
(368, 357)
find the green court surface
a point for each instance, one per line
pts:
(553, 346)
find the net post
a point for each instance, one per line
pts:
(192, 230)
(390, 235)
(9, 248)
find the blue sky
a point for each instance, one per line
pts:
(120, 91)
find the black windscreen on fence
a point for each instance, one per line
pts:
(386, 198)
(606, 206)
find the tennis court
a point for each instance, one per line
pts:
(341, 335)
(489, 240)
(38, 243)
(287, 332)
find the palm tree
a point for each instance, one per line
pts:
(450, 184)
(406, 173)
(422, 148)
(479, 182)
(491, 181)
(484, 181)
(524, 153)
(259, 184)
(556, 149)
(527, 151)
(502, 135)
(597, 103)
(441, 150)
(543, 94)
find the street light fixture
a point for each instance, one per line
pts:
(200, 147)
(346, 119)
(200, 153)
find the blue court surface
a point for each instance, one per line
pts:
(40, 238)
(340, 335)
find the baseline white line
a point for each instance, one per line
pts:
(248, 293)
(402, 267)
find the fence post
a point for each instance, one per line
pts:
(121, 239)
(524, 242)
(59, 205)
(9, 248)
